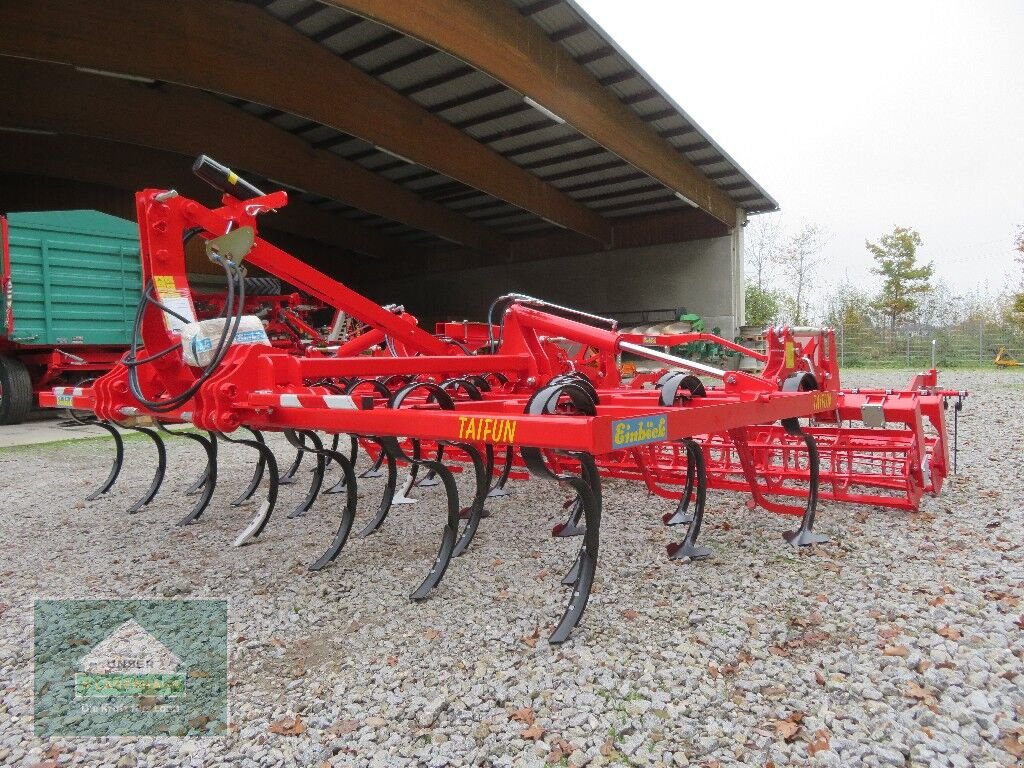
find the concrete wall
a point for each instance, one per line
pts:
(704, 276)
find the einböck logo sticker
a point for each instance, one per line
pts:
(646, 429)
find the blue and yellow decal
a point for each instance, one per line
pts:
(645, 429)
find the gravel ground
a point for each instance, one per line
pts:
(900, 643)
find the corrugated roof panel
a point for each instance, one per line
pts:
(481, 108)
(451, 89)
(606, 191)
(355, 37)
(284, 8)
(518, 146)
(382, 51)
(533, 160)
(288, 121)
(529, 229)
(616, 211)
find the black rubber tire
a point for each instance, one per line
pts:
(262, 286)
(15, 391)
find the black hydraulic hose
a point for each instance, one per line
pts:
(231, 315)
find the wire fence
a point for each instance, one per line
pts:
(969, 345)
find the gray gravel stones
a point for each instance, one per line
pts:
(900, 643)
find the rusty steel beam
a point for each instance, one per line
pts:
(183, 120)
(239, 50)
(494, 37)
(130, 168)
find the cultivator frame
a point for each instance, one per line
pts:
(545, 390)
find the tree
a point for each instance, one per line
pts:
(800, 259)
(762, 305)
(762, 248)
(1016, 311)
(895, 257)
(848, 305)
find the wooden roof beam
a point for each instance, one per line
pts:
(239, 50)
(189, 122)
(492, 36)
(131, 168)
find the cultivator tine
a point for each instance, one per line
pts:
(208, 480)
(261, 466)
(403, 497)
(682, 515)
(451, 528)
(339, 486)
(499, 488)
(347, 517)
(161, 468)
(375, 470)
(297, 439)
(804, 536)
(585, 566)
(115, 468)
(449, 536)
(571, 527)
(289, 476)
(267, 458)
(475, 511)
(386, 496)
(688, 547)
(197, 486)
(210, 476)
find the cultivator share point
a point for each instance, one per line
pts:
(536, 390)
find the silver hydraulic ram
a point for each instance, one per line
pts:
(676, 362)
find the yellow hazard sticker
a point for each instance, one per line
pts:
(501, 431)
(790, 356)
(164, 284)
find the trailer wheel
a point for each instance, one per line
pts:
(15, 391)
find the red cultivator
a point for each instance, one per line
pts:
(543, 390)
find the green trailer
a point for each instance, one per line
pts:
(70, 284)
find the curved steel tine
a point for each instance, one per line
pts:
(297, 440)
(588, 490)
(571, 527)
(682, 514)
(476, 509)
(804, 536)
(115, 468)
(375, 470)
(574, 572)
(386, 496)
(198, 485)
(430, 480)
(261, 465)
(262, 517)
(403, 497)
(587, 558)
(499, 489)
(348, 516)
(339, 486)
(193, 489)
(289, 476)
(451, 531)
(208, 487)
(161, 468)
(688, 547)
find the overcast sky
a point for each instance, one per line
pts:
(857, 116)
